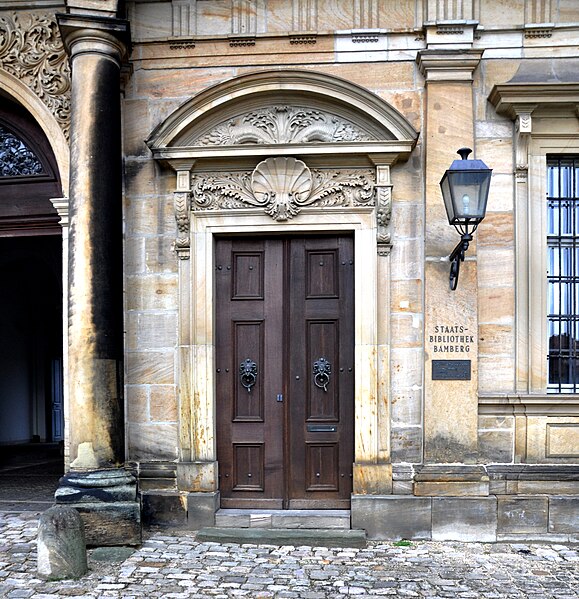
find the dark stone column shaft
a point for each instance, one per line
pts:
(96, 422)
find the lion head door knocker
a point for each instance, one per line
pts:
(248, 374)
(322, 372)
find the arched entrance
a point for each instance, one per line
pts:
(31, 348)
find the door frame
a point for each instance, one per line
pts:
(197, 469)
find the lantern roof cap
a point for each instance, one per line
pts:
(464, 164)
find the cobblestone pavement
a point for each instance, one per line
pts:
(171, 566)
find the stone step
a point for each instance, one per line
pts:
(283, 519)
(284, 536)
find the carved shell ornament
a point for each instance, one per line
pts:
(281, 185)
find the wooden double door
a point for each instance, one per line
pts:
(285, 371)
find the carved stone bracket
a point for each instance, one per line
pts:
(182, 207)
(383, 216)
(31, 49)
(283, 187)
(523, 130)
(383, 209)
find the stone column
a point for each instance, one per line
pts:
(451, 318)
(95, 301)
(103, 493)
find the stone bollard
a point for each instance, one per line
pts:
(61, 544)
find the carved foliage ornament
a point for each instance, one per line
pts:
(282, 187)
(283, 124)
(31, 49)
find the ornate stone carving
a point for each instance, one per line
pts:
(31, 49)
(383, 216)
(182, 207)
(523, 130)
(282, 187)
(283, 124)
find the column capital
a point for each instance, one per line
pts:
(448, 65)
(88, 34)
(61, 206)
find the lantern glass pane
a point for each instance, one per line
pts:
(447, 197)
(470, 192)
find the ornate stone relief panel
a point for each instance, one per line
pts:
(283, 124)
(283, 187)
(31, 49)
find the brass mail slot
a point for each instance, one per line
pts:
(322, 428)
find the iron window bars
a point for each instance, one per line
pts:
(563, 273)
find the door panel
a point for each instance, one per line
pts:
(321, 384)
(284, 360)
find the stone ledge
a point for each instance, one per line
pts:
(278, 536)
(545, 518)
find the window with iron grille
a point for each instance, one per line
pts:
(563, 273)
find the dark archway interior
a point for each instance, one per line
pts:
(31, 339)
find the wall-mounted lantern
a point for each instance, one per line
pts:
(465, 190)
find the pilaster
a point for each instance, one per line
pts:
(451, 317)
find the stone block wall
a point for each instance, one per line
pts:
(180, 50)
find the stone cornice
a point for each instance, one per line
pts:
(538, 405)
(513, 98)
(448, 65)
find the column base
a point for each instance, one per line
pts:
(107, 503)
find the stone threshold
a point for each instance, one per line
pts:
(283, 536)
(283, 519)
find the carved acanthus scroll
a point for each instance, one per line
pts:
(31, 49)
(283, 124)
(282, 187)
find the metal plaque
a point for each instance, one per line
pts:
(451, 370)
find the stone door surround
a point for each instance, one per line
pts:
(289, 152)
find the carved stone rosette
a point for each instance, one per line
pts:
(31, 49)
(182, 207)
(282, 187)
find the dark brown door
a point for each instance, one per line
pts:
(285, 371)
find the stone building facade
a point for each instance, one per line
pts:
(255, 257)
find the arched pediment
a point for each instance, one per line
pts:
(306, 113)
